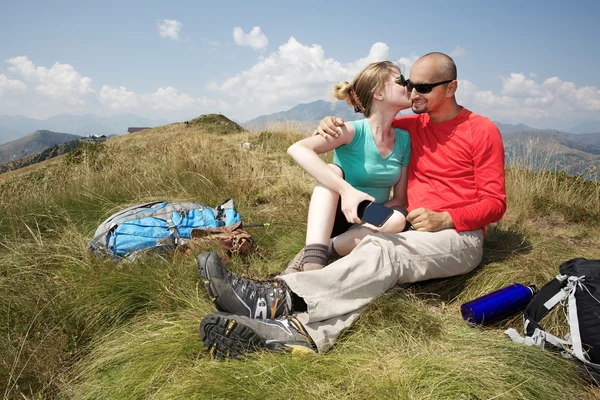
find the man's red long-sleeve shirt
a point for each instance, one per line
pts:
(456, 166)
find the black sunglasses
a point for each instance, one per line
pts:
(401, 81)
(423, 88)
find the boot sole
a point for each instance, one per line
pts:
(224, 337)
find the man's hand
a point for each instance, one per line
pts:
(425, 220)
(329, 126)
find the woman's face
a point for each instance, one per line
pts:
(395, 92)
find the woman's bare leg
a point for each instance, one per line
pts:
(321, 217)
(348, 240)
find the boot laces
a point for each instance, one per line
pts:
(267, 286)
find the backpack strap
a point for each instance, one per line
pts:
(577, 283)
(540, 305)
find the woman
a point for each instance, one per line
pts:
(370, 158)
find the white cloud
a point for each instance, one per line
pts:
(255, 38)
(169, 28)
(293, 74)
(406, 63)
(518, 85)
(60, 82)
(169, 99)
(379, 52)
(458, 52)
(11, 84)
(118, 98)
(61, 89)
(164, 101)
(523, 99)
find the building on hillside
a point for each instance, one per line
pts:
(136, 129)
(95, 138)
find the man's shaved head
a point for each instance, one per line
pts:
(445, 67)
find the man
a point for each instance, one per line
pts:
(455, 188)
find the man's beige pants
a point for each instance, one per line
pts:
(337, 294)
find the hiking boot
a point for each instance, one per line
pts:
(228, 335)
(269, 299)
(296, 265)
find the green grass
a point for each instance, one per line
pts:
(73, 326)
(216, 124)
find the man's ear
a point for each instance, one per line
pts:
(451, 88)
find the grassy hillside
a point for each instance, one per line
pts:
(33, 143)
(76, 327)
(573, 154)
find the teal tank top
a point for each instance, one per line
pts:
(364, 167)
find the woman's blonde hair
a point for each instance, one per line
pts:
(359, 93)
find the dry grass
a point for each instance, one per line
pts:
(73, 326)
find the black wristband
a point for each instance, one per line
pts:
(403, 211)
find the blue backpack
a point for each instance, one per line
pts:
(157, 226)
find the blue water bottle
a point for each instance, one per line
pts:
(497, 304)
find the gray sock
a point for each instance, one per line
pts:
(332, 252)
(315, 253)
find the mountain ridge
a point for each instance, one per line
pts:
(309, 114)
(33, 143)
(15, 126)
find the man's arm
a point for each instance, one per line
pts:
(488, 165)
(330, 126)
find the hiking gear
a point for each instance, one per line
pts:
(229, 292)
(577, 288)
(316, 253)
(156, 226)
(229, 335)
(497, 304)
(231, 239)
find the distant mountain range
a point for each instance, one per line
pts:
(33, 143)
(44, 155)
(14, 127)
(553, 150)
(577, 154)
(307, 115)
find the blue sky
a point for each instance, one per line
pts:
(534, 62)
